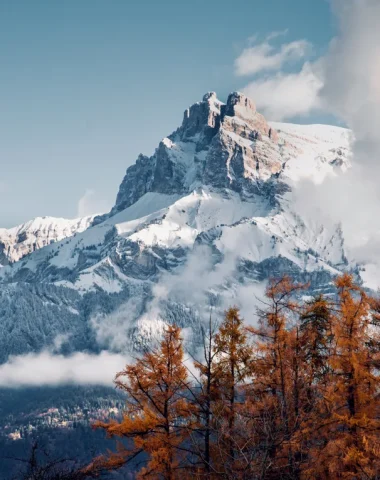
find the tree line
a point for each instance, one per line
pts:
(295, 397)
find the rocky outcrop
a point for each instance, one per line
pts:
(202, 118)
(223, 145)
(244, 111)
(136, 182)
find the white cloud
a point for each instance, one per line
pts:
(90, 204)
(46, 368)
(280, 94)
(283, 96)
(351, 91)
(113, 331)
(265, 57)
(345, 83)
(276, 34)
(352, 70)
(191, 283)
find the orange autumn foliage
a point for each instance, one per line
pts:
(348, 416)
(157, 415)
(295, 397)
(233, 367)
(277, 398)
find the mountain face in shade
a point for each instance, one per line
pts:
(203, 222)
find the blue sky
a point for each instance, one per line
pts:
(86, 85)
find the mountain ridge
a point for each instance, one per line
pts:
(202, 221)
(21, 240)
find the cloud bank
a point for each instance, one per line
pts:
(264, 57)
(351, 91)
(345, 83)
(286, 95)
(281, 92)
(49, 369)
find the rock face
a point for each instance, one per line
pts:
(223, 145)
(202, 119)
(243, 108)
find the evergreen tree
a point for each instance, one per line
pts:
(157, 418)
(347, 443)
(275, 395)
(233, 368)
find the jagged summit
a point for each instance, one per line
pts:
(227, 145)
(210, 114)
(201, 118)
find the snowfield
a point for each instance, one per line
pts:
(19, 241)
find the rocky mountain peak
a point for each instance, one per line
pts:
(241, 107)
(202, 118)
(209, 95)
(238, 101)
(20, 241)
(225, 145)
(210, 204)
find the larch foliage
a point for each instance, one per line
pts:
(231, 371)
(157, 416)
(347, 437)
(295, 397)
(278, 390)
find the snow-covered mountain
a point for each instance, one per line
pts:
(17, 242)
(204, 221)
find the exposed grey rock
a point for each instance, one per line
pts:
(205, 128)
(136, 183)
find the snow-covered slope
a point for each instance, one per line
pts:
(204, 221)
(19, 241)
(313, 151)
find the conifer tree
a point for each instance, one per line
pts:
(233, 368)
(347, 443)
(316, 334)
(276, 392)
(157, 418)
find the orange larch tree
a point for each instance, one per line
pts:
(298, 399)
(276, 393)
(347, 441)
(158, 416)
(232, 370)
